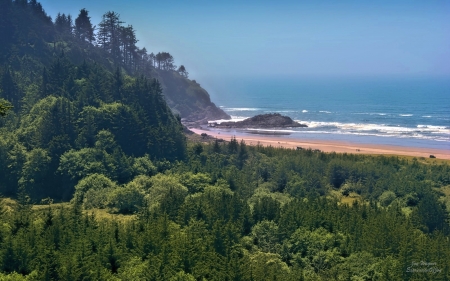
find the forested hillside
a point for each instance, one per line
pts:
(99, 182)
(31, 41)
(77, 108)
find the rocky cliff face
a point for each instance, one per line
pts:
(188, 99)
(271, 120)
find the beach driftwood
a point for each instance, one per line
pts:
(270, 120)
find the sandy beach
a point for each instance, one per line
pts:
(329, 146)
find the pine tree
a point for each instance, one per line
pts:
(83, 27)
(9, 89)
(109, 34)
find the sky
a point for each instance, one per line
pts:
(287, 38)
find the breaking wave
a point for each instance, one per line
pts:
(241, 109)
(429, 132)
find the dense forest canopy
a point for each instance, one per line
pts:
(100, 182)
(236, 212)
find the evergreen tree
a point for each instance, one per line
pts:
(109, 34)
(83, 27)
(182, 71)
(9, 89)
(64, 24)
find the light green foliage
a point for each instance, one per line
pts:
(214, 204)
(163, 186)
(105, 141)
(78, 164)
(359, 266)
(49, 117)
(195, 182)
(94, 181)
(4, 107)
(386, 198)
(316, 250)
(262, 192)
(133, 269)
(143, 166)
(96, 198)
(126, 200)
(182, 276)
(267, 236)
(132, 129)
(35, 169)
(105, 158)
(141, 182)
(100, 186)
(411, 199)
(268, 266)
(350, 186)
(296, 186)
(33, 276)
(217, 192)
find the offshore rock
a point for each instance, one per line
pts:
(270, 120)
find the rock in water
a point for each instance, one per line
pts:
(270, 120)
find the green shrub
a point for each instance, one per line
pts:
(126, 200)
(92, 182)
(386, 198)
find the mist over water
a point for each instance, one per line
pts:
(406, 112)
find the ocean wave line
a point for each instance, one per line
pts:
(377, 127)
(415, 136)
(241, 109)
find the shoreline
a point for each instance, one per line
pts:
(328, 146)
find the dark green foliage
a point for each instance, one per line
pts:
(233, 145)
(64, 24)
(430, 214)
(266, 208)
(109, 34)
(9, 90)
(83, 27)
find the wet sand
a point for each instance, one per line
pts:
(329, 146)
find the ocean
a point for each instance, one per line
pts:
(390, 111)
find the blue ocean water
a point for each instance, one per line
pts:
(392, 111)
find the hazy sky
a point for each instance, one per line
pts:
(307, 38)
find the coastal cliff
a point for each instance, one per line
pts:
(188, 99)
